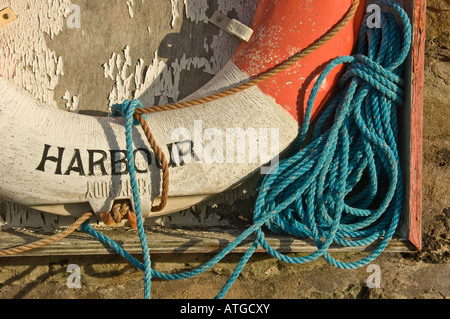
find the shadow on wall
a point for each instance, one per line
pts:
(160, 51)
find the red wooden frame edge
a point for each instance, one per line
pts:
(415, 173)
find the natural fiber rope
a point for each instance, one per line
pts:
(47, 241)
(283, 66)
(162, 159)
(138, 112)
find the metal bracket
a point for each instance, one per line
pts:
(6, 16)
(231, 26)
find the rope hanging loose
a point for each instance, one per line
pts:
(128, 108)
(342, 188)
(46, 241)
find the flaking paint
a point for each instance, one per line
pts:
(38, 70)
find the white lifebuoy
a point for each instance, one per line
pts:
(63, 163)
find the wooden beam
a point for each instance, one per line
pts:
(167, 240)
(415, 168)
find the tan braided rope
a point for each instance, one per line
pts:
(239, 88)
(163, 161)
(47, 241)
(263, 76)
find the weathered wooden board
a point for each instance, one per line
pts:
(170, 240)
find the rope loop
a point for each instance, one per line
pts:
(126, 109)
(380, 78)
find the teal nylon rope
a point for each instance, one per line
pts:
(127, 109)
(344, 187)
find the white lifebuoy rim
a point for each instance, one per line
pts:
(66, 163)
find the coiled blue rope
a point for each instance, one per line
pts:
(345, 186)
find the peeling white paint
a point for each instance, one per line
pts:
(117, 69)
(154, 70)
(196, 10)
(34, 68)
(205, 45)
(175, 12)
(208, 212)
(160, 82)
(109, 67)
(139, 79)
(243, 8)
(154, 81)
(73, 102)
(130, 4)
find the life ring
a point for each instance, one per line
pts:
(63, 163)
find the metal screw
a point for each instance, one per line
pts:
(6, 16)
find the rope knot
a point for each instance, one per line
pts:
(378, 76)
(119, 212)
(126, 109)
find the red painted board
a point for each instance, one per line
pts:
(415, 173)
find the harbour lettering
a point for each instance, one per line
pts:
(99, 163)
(57, 160)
